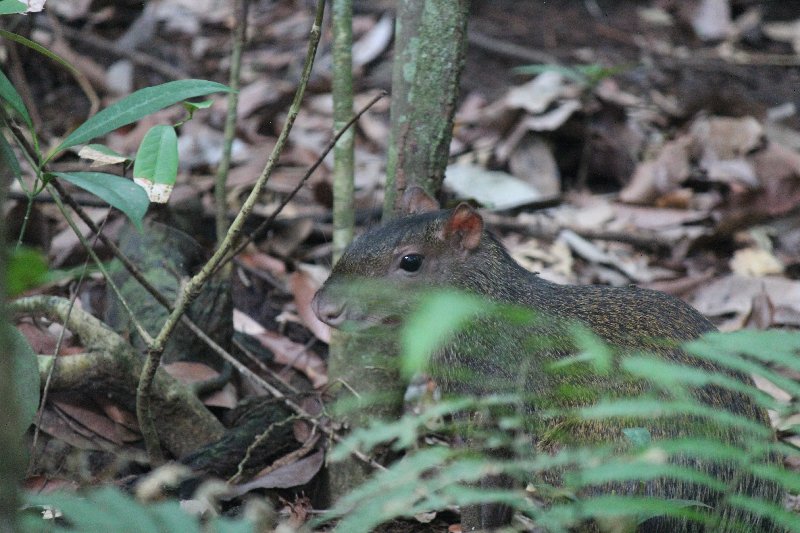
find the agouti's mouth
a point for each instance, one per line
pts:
(391, 320)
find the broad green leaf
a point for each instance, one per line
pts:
(12, 7)
(26, 378)
(156, 165)
(12, 97)
(27, 268)
(118, 192)
(39, 48)
(137, 105)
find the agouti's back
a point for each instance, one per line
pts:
(451, 249)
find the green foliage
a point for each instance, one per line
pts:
(10, 95)
(589, 75)
(157, 158)
(111, 511)
(12, 7)
(588, 480)
(120, 193)
(135, 106)
(36, 47)
(26, 269)
(439, 316)
(26, 378)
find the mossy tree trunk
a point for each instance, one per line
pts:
(430, 38)
(429, 48)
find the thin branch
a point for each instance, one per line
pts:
(139, 328)
(56, 351)
(240, 35)
(264, 226)
(193, 287)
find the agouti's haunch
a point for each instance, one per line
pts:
(430, 248)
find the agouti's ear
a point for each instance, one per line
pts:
(466, 225)
(416, 200)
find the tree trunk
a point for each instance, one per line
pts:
(429, 49)
(430, 39)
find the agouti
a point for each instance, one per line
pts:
(429, 248)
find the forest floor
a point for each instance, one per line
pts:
(612, 142)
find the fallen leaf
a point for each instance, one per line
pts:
(292, 475)
(285, 350)
(373, 43)
(536, 95)
(491, 188)
(755, 262)
(189, 372)
(734, 295)
(305, 282)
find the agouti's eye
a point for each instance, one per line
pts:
(411, 262)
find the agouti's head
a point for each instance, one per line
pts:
(380, 272)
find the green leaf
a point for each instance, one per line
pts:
(137, 105)
(39, 48)
(156, 165)
(12, 97)
(12, 7)
(26, 378)
(27, 268)
(191, 107)
(639, 437)
(439, 316)
(109, 509)
(8, 161)
(118, 192)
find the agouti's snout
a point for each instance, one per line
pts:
(330, 312)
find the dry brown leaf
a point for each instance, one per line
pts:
(373, 43)
(726, 137)
(285, 350)
(47, 484)
(189, 372)
(305, 282)
(666, 172)
(292, 475)
(97, 422)
(734, 295)
(264, 262)
(536, 95)
(116, 413)
(60, 425)
(755, 262)
(778, 169)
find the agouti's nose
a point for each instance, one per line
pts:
(332, 313)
